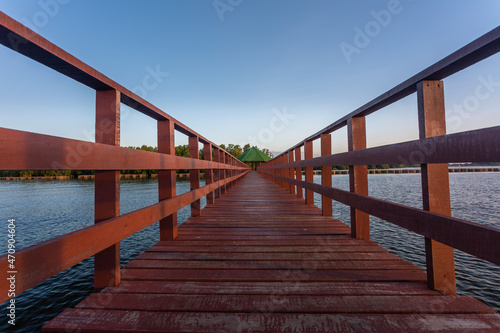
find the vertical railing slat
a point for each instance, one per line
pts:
(435, 186)
(194, 175)
(217, 172)
(308, 153)
(107, 187)
(167, 178)
(209, 178)
(298, 172)
(358, 177)
(326, 174)
(291, 171)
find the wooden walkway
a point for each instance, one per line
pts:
(260, 260)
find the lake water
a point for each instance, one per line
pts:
(46, 209)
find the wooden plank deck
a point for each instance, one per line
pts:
(260, 260)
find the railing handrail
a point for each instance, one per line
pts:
(21, 150)
(23, 40)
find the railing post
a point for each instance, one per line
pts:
(308, 153)
(228, 172)
(194, 174)
(286, 171)
(358, 177)
(223, 172)
(435, 186)
(298, 172)
(217, 172)
(233, 172)
(107, 187)
(166, 178)
(283, 172)
(278, 171)
(291, 172)
(326, 174)
(207, 153)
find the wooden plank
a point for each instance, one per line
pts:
(286, 304)
(348, 256)
(207, 263)
(289, 238)
(267, 249)
(86, 320)
(278, 288)
(323, 241)
(272, 275)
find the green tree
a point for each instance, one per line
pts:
(267, 152)
(182, 150)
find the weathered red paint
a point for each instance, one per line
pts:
(435, 186)
(326, 174)
(358, 177)
(308, 153)
(209, 177)
(107, 187)
(298, 172)
(217, 172)
(291, 171)
(167, 178)
(194, 175)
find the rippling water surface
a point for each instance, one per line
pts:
(46, 209)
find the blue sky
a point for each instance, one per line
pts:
(266, 72)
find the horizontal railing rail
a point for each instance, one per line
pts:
(30, 151)
(20, 150)
(432, 151)
(480, 49)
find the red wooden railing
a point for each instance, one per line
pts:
(433, 151)
(21, 150)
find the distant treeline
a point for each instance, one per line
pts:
(181, 150)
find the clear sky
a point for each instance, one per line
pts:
(268, 72)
